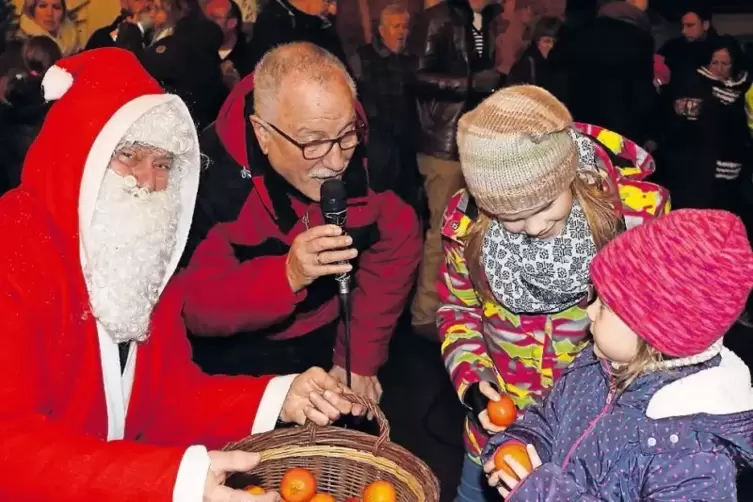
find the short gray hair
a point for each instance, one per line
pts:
(302, 60)
(393, 9)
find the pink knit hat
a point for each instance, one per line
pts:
(680, 281)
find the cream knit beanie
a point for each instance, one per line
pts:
(516, 150)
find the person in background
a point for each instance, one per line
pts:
(451, 79)
(707, 145)
(185, 58)
(138, 12)
(512, 29)
(48, 18)
(22, 106)
(260, 295)
(234, 51)
(286, 21)
(685, 54)
(543, 196)
(383, 71)
(533, 66)
(656, 408)
(609, 67)
(97, 370)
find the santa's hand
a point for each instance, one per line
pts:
(366, 386)
(317, 396)
(223, 463)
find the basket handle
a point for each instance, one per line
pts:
(384, 425)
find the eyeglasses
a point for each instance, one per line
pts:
(314, 150)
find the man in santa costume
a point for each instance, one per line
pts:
(99, 399)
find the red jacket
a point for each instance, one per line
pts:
(236, 276)
(53, 415)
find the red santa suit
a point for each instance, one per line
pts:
(74, 428)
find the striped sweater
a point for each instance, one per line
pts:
(525, 354)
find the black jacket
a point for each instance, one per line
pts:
(240, 56)
(20, 121)
(706, 131)
(187, 63)
(281, 23)
(443, 41)
(103, 36)
(384, 91)
(683, 58)
(533, 68)
(610, 70)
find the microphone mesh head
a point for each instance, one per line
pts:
(332, 195)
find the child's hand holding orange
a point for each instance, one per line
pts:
(511, 464)
(500, 412)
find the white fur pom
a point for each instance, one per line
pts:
(56, 82)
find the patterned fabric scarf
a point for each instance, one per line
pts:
(532, 276)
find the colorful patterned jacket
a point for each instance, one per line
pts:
(525, 354)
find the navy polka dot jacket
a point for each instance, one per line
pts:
(596, 448)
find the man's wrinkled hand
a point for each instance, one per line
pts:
(223, 463)
(366, 386)
(319, 251)
(317, 396)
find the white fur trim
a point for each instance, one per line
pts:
(98, 161)
(118, 386)
(192, 475)
(55, 83)
(721, 390)
(271, 403)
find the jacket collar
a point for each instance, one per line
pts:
(277, 194)
(489, 13)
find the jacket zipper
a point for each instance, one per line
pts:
(604, 411)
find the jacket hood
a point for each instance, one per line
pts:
(718, 401)
(94, 109)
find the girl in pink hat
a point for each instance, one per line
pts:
(656, 409)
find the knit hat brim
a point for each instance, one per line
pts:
(678, 282)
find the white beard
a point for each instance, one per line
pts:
(132, 240)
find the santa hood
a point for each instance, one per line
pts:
(98, 96)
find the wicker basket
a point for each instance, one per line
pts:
(344, 461)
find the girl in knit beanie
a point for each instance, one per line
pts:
(656, 409)
(543, 195)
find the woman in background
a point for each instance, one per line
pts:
(22, 108)
(48, 18)
(532, 67)
(707, 138)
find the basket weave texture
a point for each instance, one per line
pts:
(343, 461)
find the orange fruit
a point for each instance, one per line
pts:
(298, 485)
(380, 491)
(503, 412)
(254, 490)
(323, 497)
(517, 451)
(352, 499)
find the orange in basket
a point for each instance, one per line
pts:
(342, 462)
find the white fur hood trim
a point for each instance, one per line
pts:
(722, 390)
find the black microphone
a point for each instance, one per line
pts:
(335, 212)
